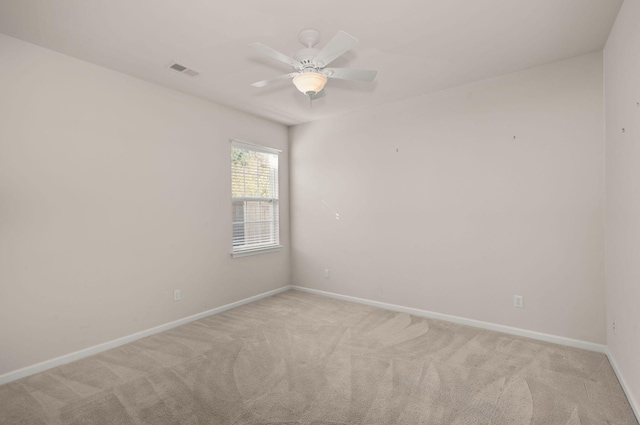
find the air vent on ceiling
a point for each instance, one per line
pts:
(184, 70)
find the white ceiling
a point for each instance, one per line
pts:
(419, 46)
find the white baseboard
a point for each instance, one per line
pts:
(464, 321)
(633, 403)
(67, 358)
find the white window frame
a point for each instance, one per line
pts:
(257, 248)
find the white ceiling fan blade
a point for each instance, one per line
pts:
(275, 80)
(274, 54)
(336, 47)
(362, 75)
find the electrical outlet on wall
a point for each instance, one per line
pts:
(518, 301)
(177, 295)
(327, 274)
(614, 328)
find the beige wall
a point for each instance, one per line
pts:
(622, 94)
(456, 201)
(113, 193)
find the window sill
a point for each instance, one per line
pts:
(256, 251)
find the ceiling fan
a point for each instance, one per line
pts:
(310, 65)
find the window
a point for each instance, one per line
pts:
(254, 194)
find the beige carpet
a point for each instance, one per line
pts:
(297, 358)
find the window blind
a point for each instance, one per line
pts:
(254, 191)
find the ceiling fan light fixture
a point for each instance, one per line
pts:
(309, 65)
(310, 82)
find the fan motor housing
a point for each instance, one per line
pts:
(305, 57)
